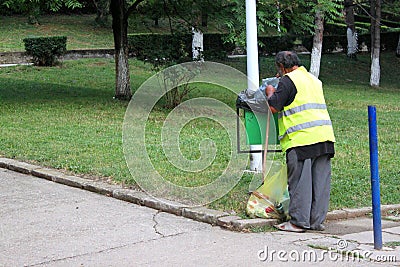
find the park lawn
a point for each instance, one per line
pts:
(80, 30)
(65, 117)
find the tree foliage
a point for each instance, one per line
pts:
(278, 17)
(33, 8)
(102, 11)
(51, 5)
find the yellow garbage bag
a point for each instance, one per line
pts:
(271, 199)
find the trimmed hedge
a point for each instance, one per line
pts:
(274, 44)
(45, 50)
(389, 41)
(176, 48)
(159, 47)
(215, 47)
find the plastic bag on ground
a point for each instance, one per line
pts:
(271, 199)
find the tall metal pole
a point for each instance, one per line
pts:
(252, 71)
(251, 46)
(376, 202)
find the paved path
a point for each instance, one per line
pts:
(43, 223)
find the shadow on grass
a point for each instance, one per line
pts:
(22, 91)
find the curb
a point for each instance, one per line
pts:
(18, 58)
(201, 214)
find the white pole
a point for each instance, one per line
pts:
(252, 71)
(251, 46)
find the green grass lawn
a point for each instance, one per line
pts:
(65, 117)
(81, 32)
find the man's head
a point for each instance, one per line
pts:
(286, 61)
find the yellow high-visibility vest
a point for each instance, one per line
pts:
(306, 120)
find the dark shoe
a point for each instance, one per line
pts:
(320, 228)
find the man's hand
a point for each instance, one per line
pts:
(269, 90)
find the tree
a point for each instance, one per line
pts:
(351, 29)
(120, 12)
(297, 17)
(316, 51)
(232, 16)
(375, 42)
(102, 11)
(154, 9)
(182, 16)
(321, 8)
(392, 10)
(33, 8)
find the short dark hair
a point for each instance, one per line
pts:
(288, 59)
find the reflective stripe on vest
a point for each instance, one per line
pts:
(305, 126)
(301, 108)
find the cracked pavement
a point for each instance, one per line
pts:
(43, 223)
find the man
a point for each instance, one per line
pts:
(306, 135)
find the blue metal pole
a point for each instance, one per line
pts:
(375, 184)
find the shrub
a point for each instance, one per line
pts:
(274, 44)
(215, 47)
(160, 50)
(389, 41)
(45, 50)
(176, 47)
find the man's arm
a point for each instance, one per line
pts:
(270, 91)
(281, 96)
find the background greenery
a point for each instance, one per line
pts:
(65, 117)
(81, 30)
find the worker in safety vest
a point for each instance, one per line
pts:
(306, 135)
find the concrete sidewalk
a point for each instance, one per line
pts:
(43, 223)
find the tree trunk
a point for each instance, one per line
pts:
(199, 14)
(204, 18)
(120, 31)
(375, 42)
(352, 45)
(279, 17)
(398, 48)
(197, 45)
(317, 44)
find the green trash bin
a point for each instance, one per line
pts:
(256, 122)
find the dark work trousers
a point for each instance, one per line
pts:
(309, 189)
